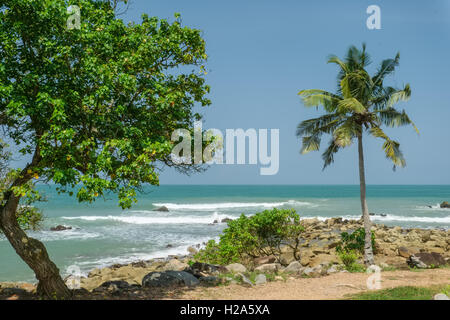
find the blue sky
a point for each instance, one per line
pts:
(261, 53)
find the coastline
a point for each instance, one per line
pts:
(395, 246)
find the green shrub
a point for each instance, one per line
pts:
(350, 260)
(260, 235)
(29, 218)
(354, 241)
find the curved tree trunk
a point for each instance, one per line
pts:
(32, 252)
(368, 251)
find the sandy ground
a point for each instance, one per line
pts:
(335, 286)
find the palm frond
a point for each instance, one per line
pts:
(399, 95)
(324, 124)
(316, 97)
(343, 135)
(391, 148)
(328, 155)
(310, 143)
(387, 67)
(351, 105)
(339, 62)
(393, 118)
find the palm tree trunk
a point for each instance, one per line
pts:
(368, 251)
(33, 252)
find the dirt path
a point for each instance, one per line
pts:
(330, 287)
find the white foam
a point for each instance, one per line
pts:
(436, 207)
(441, 220)
(155, 220)
(72, 234)
(230, 205)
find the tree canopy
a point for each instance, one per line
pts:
(95, 107)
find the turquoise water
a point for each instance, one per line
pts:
(103, 234)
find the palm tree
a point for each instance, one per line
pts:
(361, 104)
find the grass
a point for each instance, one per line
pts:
(402, 293)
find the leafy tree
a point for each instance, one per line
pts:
(263, 234)
(361, 104)
(92, 107)
(28, 216)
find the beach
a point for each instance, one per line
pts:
(102, 234)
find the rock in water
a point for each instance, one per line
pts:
(169, 279)
(60, 228)
(424, 260)
(445, 204)
(226, 220)
(163, 209)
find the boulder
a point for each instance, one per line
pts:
(332, 270)
(226, 220)
(210, 280)
(236, 268)
(13, 291)
(308, 271)
(445, 205)
(175, 265)
(286, 258)
(426, 260)
(260, 279)
(293, 267)
(169, 279)
(112, 286)
(199, 269)
(268, 267)
(404, 252)
(162, 209)
(60, 228)
(264, 260)
(245, 280)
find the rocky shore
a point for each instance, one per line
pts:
(395, 248)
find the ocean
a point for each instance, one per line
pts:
(103, 234)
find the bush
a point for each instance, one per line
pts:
(349, 259)
(29, 218)
(354, 241)
(260, 235)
